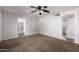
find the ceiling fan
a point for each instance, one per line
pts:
(39, 9)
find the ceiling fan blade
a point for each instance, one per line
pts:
(33, 7)
(44, 6)
(34, 11)
(46, 11)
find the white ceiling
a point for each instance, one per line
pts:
(25, 10)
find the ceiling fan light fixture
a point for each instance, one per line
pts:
(39, 11)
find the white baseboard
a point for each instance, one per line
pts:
(9, 38)
(51, 36)
(31, 34)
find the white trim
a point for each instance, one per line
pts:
(52, 36)
(9, 38)
(30, 34)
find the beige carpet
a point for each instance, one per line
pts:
(38, 43)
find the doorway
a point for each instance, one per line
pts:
(68, 27)
(21, 27)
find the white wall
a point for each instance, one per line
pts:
(76, 22)
(9, 25)
(77, 26)
(31, 25)
(0, 25)
(51, 26)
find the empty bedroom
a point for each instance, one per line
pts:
(39, 28)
